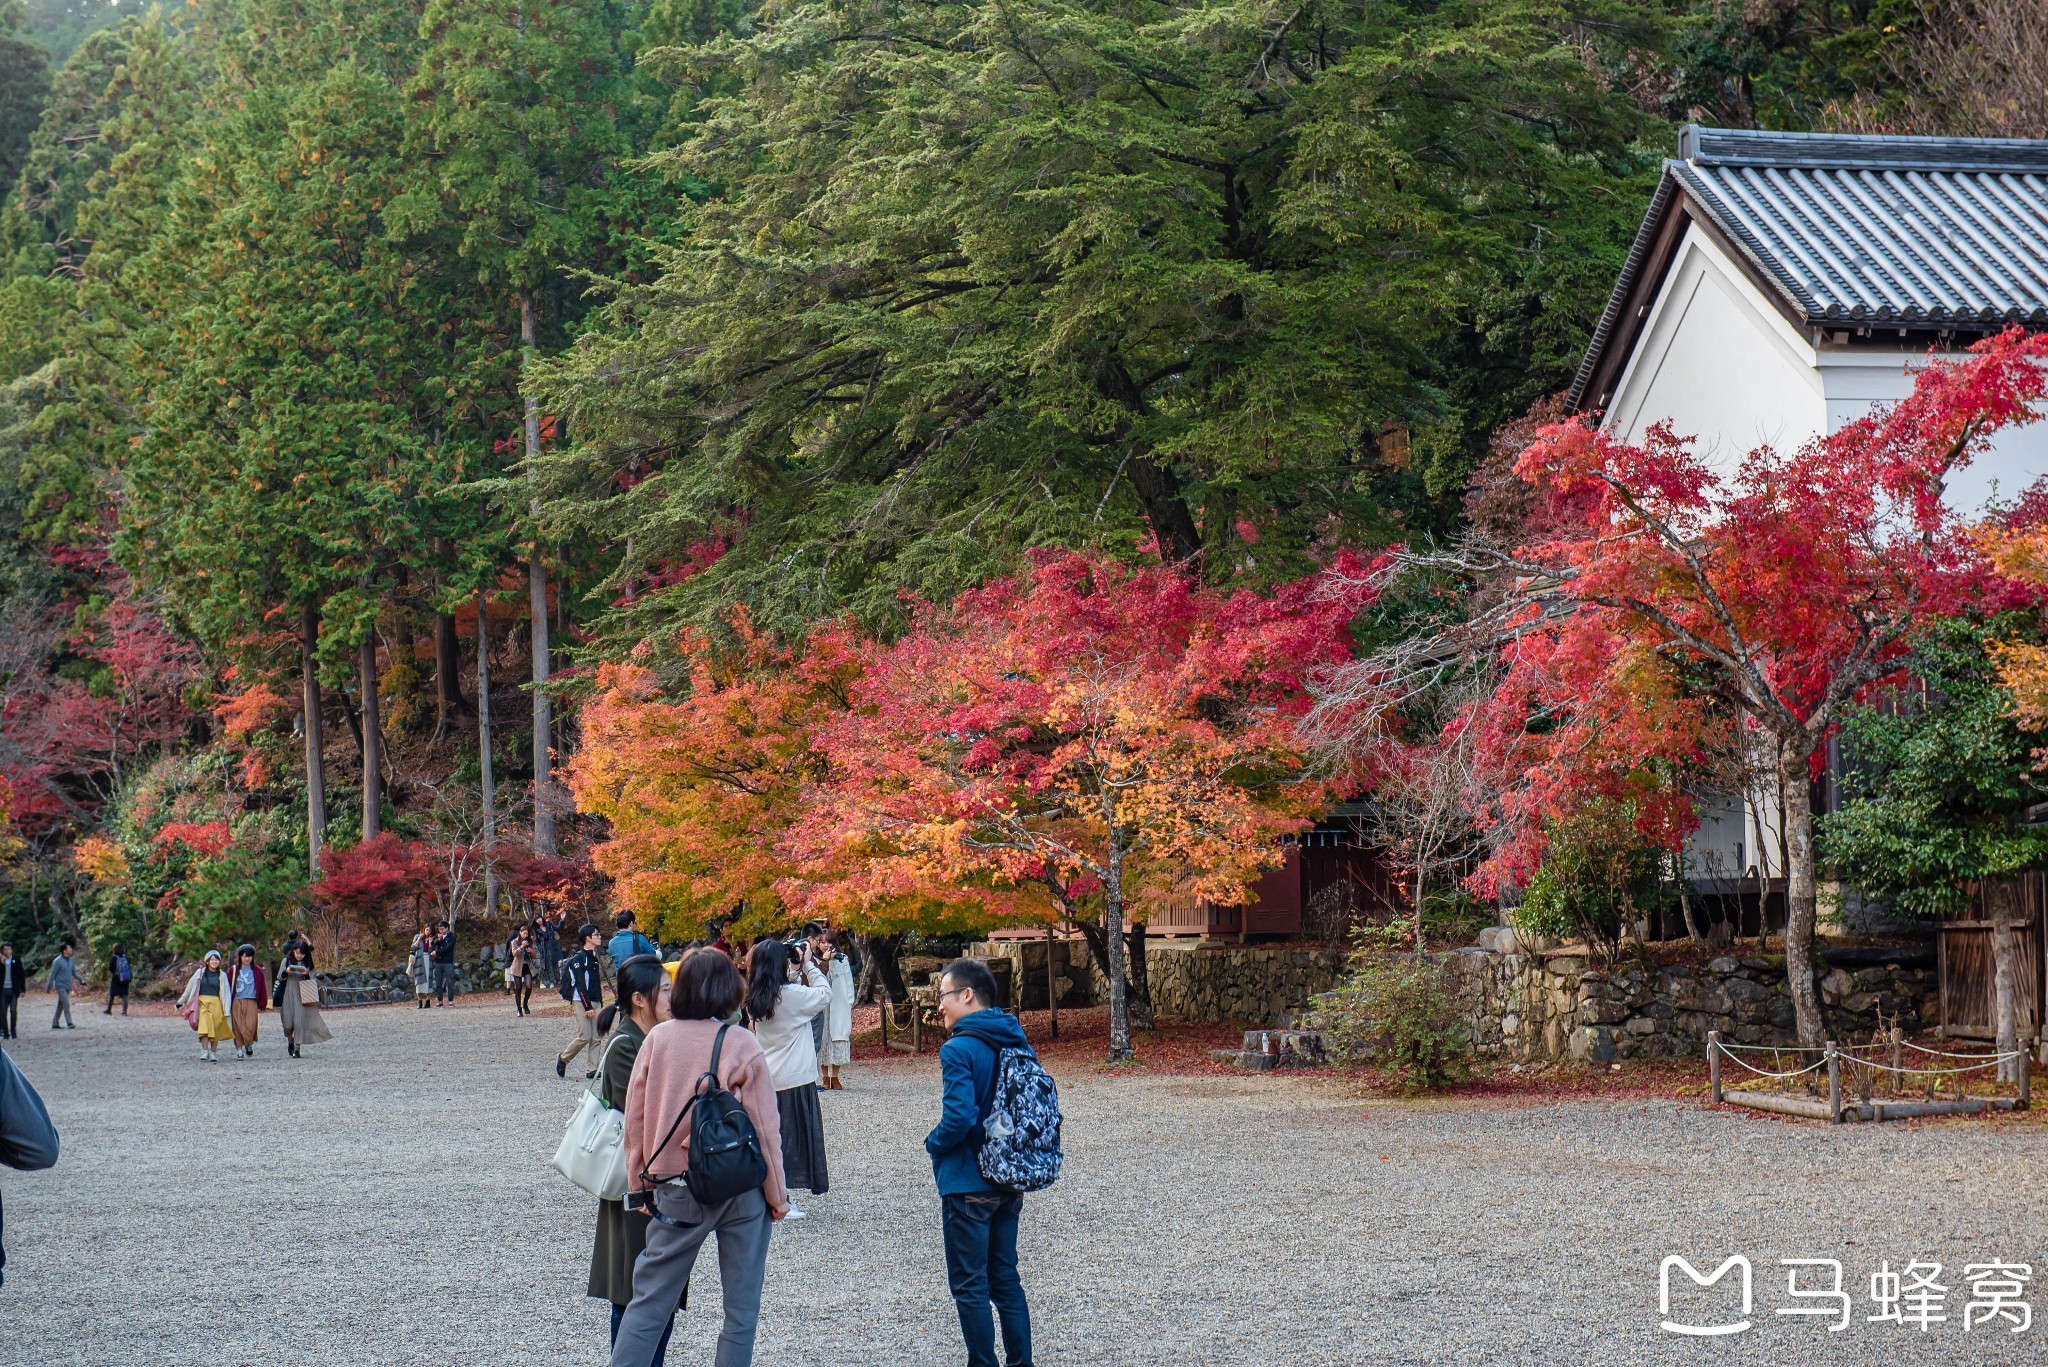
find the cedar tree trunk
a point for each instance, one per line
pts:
(316, 765)
(537, 605)
(373, 738)
(1140, 987)
(447, 682)
(483, 736)
(2004, 980)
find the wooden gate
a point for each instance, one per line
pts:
(1968, 986)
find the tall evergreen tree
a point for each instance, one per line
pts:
(520, 127)
(292, 456)
(980, 277)
(24, 83)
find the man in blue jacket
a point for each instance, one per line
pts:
(980, 1220)
(629, 941)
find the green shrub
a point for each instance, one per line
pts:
(1395, 1011)
(1597, 877)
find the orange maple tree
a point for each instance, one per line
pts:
(1067, 728)
(700, 780)
(2018, 547)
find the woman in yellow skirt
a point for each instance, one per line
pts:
(208, 989)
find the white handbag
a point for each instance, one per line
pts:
(592, 1153)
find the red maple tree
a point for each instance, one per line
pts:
(1661, 601)
(1071, 729)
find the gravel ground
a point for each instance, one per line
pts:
(385, 1200)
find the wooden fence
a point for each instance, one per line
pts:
(1968, 986)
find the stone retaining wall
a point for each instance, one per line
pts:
(1191, 980)
(1529, 1007)
(371, 986)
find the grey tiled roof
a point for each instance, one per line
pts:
(1883, 229)
(1923, 233)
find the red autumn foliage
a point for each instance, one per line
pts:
(204, 840)
(366, 880)
(67, 737)
(1087, 720)
(570, 883)
(1659, 602)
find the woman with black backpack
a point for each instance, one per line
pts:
(689, 1063)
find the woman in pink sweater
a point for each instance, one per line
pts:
(666, 1078)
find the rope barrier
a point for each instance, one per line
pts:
(1943, 1053)
(1843, 1055)
(1762, 1073)
(1875, 1066)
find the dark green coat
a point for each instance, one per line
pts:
(621, 1233)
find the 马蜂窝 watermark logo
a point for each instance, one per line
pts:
(1991, 1296)
(1671, 1326)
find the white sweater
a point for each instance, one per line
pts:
(786, 1036)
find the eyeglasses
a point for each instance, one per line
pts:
(951, 990)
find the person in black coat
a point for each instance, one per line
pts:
(28, 1140)
(583, 989)
(444, 965)
(13, 982)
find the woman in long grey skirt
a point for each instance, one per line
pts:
(779, 1012)
(298, 1000)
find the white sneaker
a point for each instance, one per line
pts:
(794, 1214)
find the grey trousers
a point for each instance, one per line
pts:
(63, 1011)
(662, 1272)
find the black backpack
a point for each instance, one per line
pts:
(725, 1153)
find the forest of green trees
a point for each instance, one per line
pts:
(352, 351)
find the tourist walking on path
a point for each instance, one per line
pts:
(629, 941)
(64, 976)
(838, 1015)
(980, 1221)
(249, 994)
(421, 966)
(120, 973)
(444, 965)
(204, 1004)
(13, 984)
(621, 1233)
(519, 970)
(780, 1013)
(583, 987)
(28, 1141)
(676, 1054)
(297, 1000)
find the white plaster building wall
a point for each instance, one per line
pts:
(1854, 380)
(1719, 362)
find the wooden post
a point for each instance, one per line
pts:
(1834, 1085)
(2026, 1082)
(1052, 981)
(1898, 1057)
(1714, 1065)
